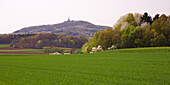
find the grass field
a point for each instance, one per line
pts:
(141, 50)
(144, 66)
(4, 45)
(25, 50)
(19, 50)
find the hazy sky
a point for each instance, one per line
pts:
(16, 14)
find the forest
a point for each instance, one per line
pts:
(41, 40)
(133, 31)
(7, 38)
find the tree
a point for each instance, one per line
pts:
(124, 25)
(154, 37)
(162, 25)
(48, 39)
(124, 40)
(84, 48)
(21, 42)
(121, 23)
(39, 44)
(138, 42)
(146, 18)
(169, 18)
(108, 38)
(130, 19)
(147, 36)
(162, 40)
(128, 32)
(137, 17)
(72, 42)
(156, 17)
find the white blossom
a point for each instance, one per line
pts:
(99, 48)
(143, 25)
(124, 25)
(137, 17)
(112, 47)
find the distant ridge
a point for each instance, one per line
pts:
(66, 28)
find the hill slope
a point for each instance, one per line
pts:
(67, 28)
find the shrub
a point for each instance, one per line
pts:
(57, 49)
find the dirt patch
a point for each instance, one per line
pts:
(10, 48)
(7, 52)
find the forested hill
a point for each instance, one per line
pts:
(67, 28)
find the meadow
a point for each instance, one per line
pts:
(139, 66)
(4, 45)
(7, 48)
(25, 50)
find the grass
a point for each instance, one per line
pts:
(20, 50)
(91, 29)
(142, 50)
(105, 68)
(25, 50)
(4, 45)
(78, 49)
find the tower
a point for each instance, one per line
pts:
(68, 19)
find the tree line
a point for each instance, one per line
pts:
(132, 31)
(7, 38)
(42, 40)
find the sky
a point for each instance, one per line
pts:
(17, 14)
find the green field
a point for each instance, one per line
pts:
(20, 50)
(25, 50)
(144, 66)
(91, 29)
(4, 45)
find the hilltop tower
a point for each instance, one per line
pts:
(68, 19)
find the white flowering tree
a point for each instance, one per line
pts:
(137, 17)
(112, 47)
(99, 48)
(94, 49)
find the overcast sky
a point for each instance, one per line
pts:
(16, 14)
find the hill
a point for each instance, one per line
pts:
(66, 28)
